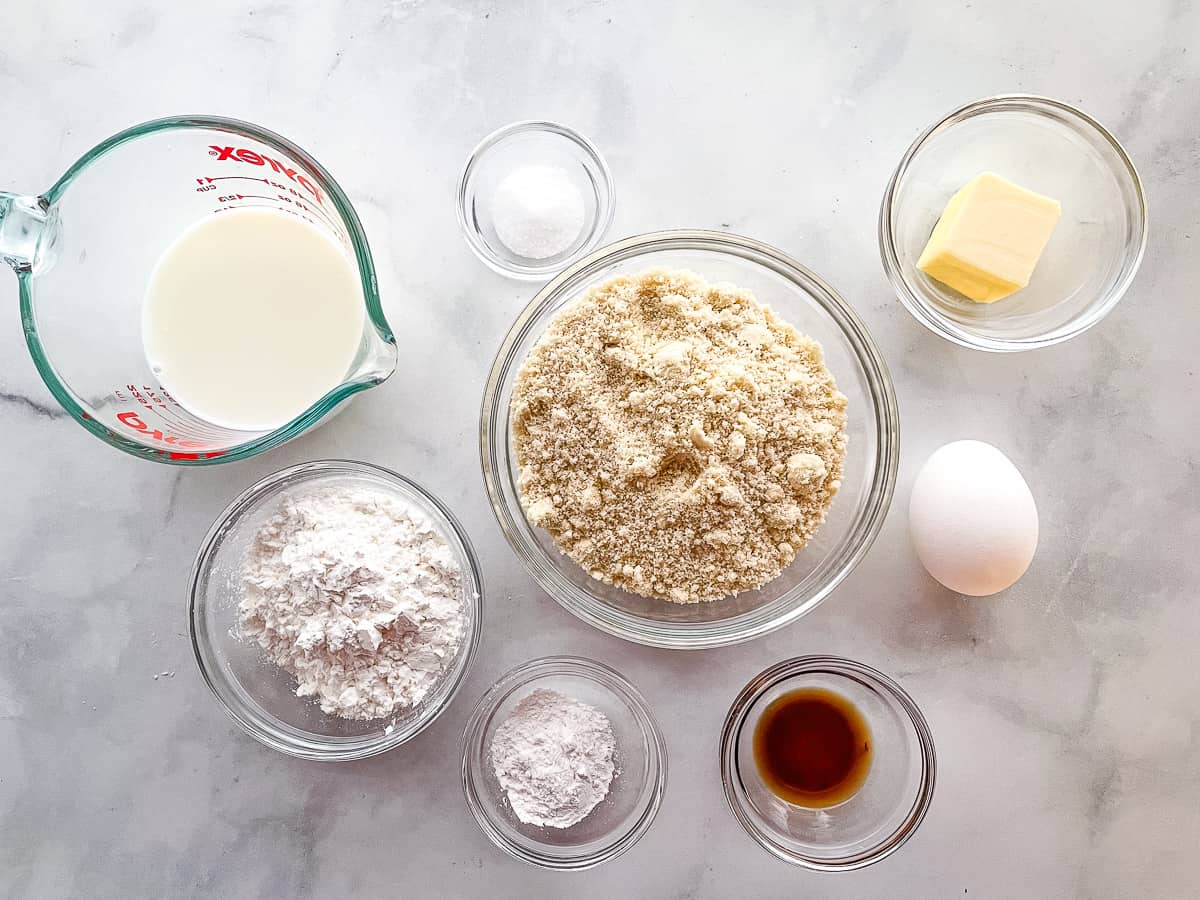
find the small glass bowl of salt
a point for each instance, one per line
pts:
(533, 197)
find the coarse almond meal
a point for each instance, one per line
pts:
(676, 438)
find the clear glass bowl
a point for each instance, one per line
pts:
(634, 797)
(875, 821)
(526, 143)
(801, 298)
(1048, 147)
(260, 696)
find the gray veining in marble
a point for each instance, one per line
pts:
(1066, 712)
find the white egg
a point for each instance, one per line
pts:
(972, 518)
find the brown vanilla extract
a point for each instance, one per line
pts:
(812, 748)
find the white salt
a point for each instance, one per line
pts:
(537, 211)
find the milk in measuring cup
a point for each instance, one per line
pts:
(251, 316)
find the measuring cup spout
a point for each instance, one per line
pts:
(28, 232)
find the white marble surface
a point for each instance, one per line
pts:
(1066, 712)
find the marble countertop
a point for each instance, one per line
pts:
(1066, 712)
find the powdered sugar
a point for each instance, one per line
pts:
(358, 596)
(554, 757)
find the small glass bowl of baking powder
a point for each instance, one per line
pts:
(260, 696)
(883, 813)
(634, 795)
(533, 197)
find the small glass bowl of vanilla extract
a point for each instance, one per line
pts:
(827, 763)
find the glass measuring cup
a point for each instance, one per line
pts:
(84, 251)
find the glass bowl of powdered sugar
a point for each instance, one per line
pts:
(334, 609)
(563, 765)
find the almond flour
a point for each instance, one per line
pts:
(676, 438)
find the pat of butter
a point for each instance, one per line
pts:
(989, 238)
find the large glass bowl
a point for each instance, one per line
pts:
(260, 696)
(807, 302)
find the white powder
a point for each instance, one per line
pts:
(537, 211)
(554, 758)
(358, 596)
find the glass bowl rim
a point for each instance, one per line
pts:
(545, 569)
(207, 658)
(605, 208)
(941, 325)
(473, 752)
(772, 676)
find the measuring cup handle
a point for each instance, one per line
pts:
(27, 230)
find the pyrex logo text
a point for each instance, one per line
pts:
(240, 154)
(132, 420)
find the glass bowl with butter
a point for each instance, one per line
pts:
(1015, 222)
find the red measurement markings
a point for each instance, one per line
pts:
(320, 211)
(131, 419)
(155, 409)
(177, 418)
(287, 195)
(312, 210)
(241, 154)
(233, 206)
